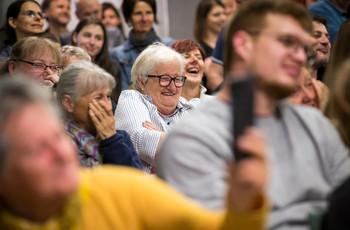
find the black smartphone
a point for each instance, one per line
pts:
(243, 100)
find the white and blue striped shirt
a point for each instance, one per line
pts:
(133, 109)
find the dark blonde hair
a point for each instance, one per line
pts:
(30, 46)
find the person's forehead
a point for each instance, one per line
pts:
(30, 6)
(318, 26)
(286, 24)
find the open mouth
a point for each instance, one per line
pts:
(168, 94)
(192, 70)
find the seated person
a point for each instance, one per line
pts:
(194, 55)
(158, 80)
(309, 91)
(72, 54)
(43, 188)
(84, 91)
(38, 58)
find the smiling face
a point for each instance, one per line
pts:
(165, 98)
(216, 19)
(305, 93)
(110, 18)
(90, 38)
(81, 108)
(59, 12)
(41, 56)
(42, 166)
(320, 40)
(24, 25)
(277, 55)
(194, 66)
(142, 18)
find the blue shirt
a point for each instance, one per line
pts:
(335, 16)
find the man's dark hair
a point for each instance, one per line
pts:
(319, 19)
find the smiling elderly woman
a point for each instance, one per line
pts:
(148, 112)
(84, 91)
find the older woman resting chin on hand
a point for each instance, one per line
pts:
(84, 91)
(158, 80)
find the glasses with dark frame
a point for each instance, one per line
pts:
(165, 80)
(293, 44)
(32, 14)
(56, 69)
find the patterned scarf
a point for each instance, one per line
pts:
(141, 44)
(87, 145)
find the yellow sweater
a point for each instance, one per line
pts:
(121, 198)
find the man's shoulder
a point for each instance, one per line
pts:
(325, 6)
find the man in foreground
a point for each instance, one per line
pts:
(269, 40)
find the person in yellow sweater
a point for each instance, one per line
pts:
(42, 186)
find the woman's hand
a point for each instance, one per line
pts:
(150, 126)
(249, 176)
(322, 93)
(50, 80)
(102, 116)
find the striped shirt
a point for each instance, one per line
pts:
(133, 109)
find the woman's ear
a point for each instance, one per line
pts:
(67, 103)
(74, 37)
(11, 67)
(139, 81)
(12, 22)
(243, 44)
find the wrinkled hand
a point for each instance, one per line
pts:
(50, 80)
(322, 93)
(102, 116)
(249, 176)
(150, 126)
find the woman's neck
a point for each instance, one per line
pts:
(210, 38)
(190, 91)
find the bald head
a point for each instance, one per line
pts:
(88, 8)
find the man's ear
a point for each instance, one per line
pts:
(74, 38)
(12, 22)
(11, 67)
(67, 103)
(243, 44)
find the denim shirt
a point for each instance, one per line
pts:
(126, 55)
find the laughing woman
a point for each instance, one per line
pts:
(148, 112)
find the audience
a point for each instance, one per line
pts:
(90, 34)
(140, 14)
(335, 13)
(194, 55)
(209, 20)
(24, 18)
(38, 58)
(269, 40)
(72, 54)
(57, 13)
(84, 91)
(43, 188)
(157, 77)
